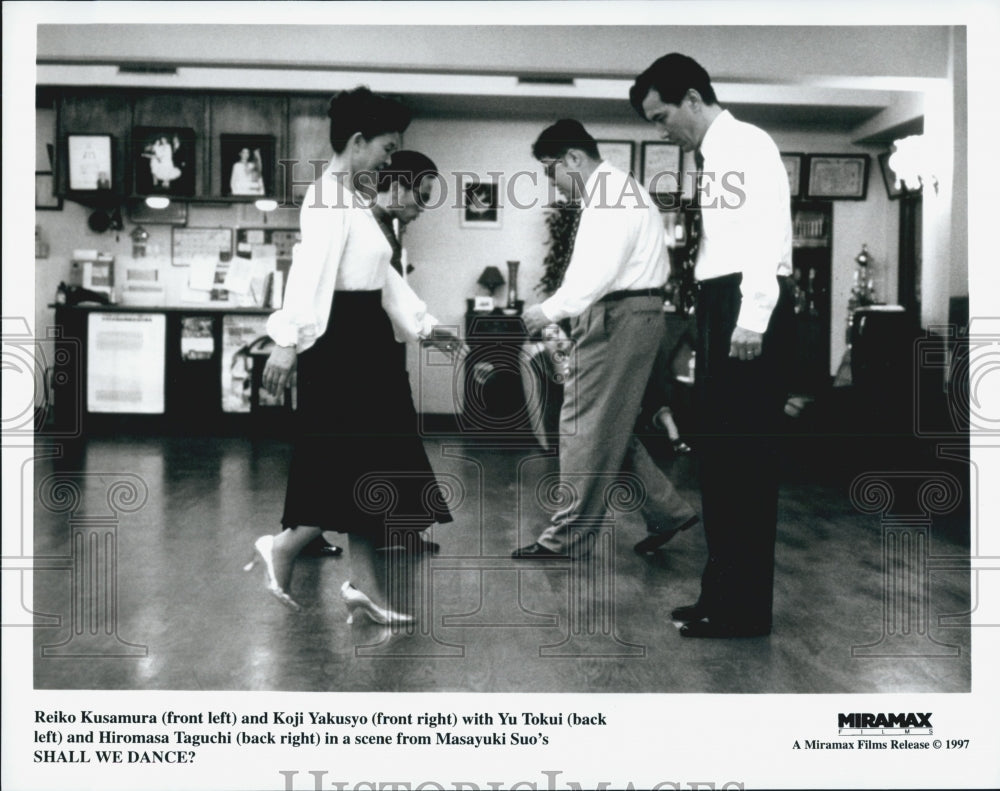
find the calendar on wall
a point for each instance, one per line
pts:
(190, 245)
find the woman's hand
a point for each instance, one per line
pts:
(278, 369)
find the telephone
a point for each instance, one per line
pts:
(77, 295)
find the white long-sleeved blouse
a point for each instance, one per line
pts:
(342, 249)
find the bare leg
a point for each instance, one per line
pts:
(278, 554)
(365, 580)
(665, 419)
(287, 545)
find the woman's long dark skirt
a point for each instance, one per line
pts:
(358, 464)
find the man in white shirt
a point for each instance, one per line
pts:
(745, 327)
(612, 293)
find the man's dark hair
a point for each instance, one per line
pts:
(360, 110)
(406, 169)
(672, 76)
(556, 140)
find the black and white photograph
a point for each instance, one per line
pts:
(249, 162)
(480, 203)
(164, 160)
(701, 495)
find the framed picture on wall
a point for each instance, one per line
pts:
(480, 203)
(247, 165)
(89, 162)
(661, 167)
(45, 197)
(837, 176)
(620, 153)
(163, 159)
(793, 167)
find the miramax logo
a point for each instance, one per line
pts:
(894, 722)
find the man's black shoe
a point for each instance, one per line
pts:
(536, 552)
(411, 542)
(319, 547)
(654, 541)
(689, 612)
(709, 629)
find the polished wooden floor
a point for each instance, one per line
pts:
(140, 543)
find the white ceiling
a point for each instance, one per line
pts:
(864, 82)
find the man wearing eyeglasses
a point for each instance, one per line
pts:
(612, 294)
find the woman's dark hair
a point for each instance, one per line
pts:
(362, 111)
(672, 76)
(556, 140)
(407, 169)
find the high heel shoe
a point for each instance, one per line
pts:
(264, 550)
(356, 601)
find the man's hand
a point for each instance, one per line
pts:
(746, 344)
(444, 340)
(535, 320)
(278, 369)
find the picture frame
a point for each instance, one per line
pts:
(480, 206)
(163, 159)
(89, 160)
(620, 153)
(837, 176)
(793, 167)
(45, 195)
(247, 165)
(889, 178)
(661, 167)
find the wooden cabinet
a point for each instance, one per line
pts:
(308, 144)
(176, 110)
(245, 116)
(297, 124)
(184, 371)
(812, 228)
(495, 402)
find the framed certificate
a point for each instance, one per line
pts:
(89, 158)
(661, 167)
(837, 176)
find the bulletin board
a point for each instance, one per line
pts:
(266, 242)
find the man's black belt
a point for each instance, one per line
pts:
(733, 279)
(614, 296)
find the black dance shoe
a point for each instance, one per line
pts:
(655, 540)
(689, 612)
(723, 630)
(416, 546)
(319, 547)
(537, 552)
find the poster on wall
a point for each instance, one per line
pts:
(126, 360)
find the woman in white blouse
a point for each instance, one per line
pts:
(358, 463)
